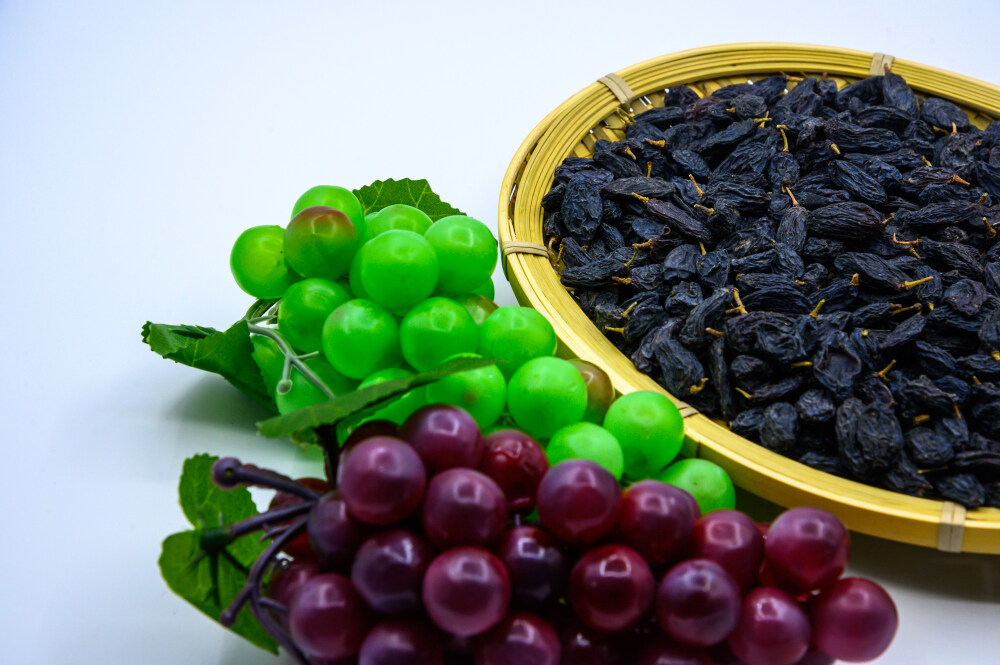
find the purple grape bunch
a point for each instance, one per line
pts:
(439, 545)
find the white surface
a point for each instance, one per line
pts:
(137, 139)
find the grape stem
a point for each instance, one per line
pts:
(292, 357)
(252, 594)
(263, 520)
(229, 472)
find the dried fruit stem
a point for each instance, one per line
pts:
(695, 389)
(694, 182)
(916, 282)
(788, 190)
(883, 373)
(815, 313)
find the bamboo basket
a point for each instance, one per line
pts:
(595, 113)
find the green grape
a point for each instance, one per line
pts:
(345, 283)
(397, 269)
(401, 408)
(338, 198)
(354, 277)
(434, 330)
(486, 289)
(482, 392)
(321, 242)
(544, 395)
(478, 307)
(361, 337)
(269, 359)
(305, 393)
(304, 309)
(587, 441)
(650, 429)
(600, 392)
(398, 217)
(467, 252)
(514, 335)
(258, 262)
(708, 483)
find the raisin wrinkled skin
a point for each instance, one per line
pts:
(818, 267)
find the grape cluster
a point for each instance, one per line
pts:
(442, 545)
(366, 299)
(412, 300)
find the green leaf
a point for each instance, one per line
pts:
(416, 193)
(211, 582)
(225, 353)
(204, 503)
(210, 579)
(335, 410)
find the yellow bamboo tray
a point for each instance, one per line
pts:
(596, 113)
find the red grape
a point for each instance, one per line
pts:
(806, 549)
(382, 480)
(578, 501)
(333, 533)
(517, 463)
(389, 569)
(466, 591)
(399, 642)
(664, 651)
(611, 588)
(367, 430)
(300, 544)
(814, 657)
(854, 620)
(772, 630)
(731, 539)
(464, 507)
(326, 618)
(583, 646)
(698, 602)
(537, 567)
(289, 576)
(520, 639)
(444, 437)
(656, 521)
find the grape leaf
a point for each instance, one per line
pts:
(332, 412)
(204, 503)
(416, 193)
(210, 577)
(225, 353)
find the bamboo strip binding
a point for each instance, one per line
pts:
(592, 114)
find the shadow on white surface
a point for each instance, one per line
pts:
(212, 401)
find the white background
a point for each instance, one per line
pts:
(137, 139)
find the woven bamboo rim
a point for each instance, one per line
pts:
(596, 113)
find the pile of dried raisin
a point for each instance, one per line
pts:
(818, 267)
